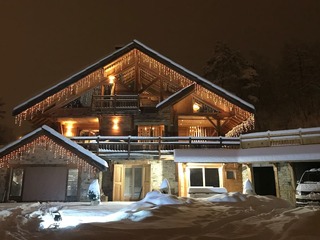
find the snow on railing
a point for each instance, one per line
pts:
(103, 145)
(281, 138)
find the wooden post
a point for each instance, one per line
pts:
(159, 147)
(98, 143)
(129, 146)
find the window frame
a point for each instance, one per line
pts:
(203, 168)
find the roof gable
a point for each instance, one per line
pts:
(176, 97)
(74, 151)
(95, 73)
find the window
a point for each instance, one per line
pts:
(204, 177)
(72, 188)
(16, 182)
(151, 130)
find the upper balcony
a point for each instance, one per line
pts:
(107, 104)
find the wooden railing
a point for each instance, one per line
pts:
(129, 145)
(115, 103)
(298, 136)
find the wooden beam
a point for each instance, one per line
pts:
(149, 85)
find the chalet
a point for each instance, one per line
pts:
(132, 109)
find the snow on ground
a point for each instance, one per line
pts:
(163, 216)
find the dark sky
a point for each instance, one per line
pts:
(44, 42)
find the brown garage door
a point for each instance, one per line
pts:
(44, 184)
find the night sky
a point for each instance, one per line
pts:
(44, 42)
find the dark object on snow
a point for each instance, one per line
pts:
(92, 196)
(57, 216)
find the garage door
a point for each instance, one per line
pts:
(44, 184)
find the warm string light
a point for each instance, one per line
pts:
(20, 155)
(245, 126)
(123, 62)
(63, 95)
(163, 70)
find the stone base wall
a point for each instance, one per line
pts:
(41, 156)
(285, 182)
(161, 169)
(3, 180)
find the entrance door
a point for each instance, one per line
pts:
(130, 182)
(133, 183)
(264, 181)
(45, 184)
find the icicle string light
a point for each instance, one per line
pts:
(245, 126)
(20, 155)
(124, 63)
(63, 95)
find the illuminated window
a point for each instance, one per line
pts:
(151, 130)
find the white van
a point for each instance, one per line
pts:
(308, 189)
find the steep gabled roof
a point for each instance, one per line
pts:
(174, 98)
(120, 52)
(75, 148)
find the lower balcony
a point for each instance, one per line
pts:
(130, 146)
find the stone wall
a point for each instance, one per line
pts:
(40, 156)
(161, 169)
(3, 180)
(285, 182)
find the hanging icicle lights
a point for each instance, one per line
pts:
(204, 93)
(245, 126)
(63, 95)
(61, 154)
(133, 58)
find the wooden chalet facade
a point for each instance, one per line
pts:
(137, 99)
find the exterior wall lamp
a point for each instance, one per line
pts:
(111, 79)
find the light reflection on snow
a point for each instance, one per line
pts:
(71, 218)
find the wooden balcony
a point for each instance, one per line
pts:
(115, 104)
(127, 146)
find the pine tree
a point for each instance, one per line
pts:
(228, 69)
(299, 79)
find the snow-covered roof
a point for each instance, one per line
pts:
(118, 53)
(293, 153)
(176, 96)
(90, 157)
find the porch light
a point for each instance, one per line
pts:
(196, 107)
(111, 79)
(115, 125)
(69, 128)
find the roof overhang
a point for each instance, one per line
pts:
(60, 140)
(99, 65)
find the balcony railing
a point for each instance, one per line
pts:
(299, 136)
(115, 103)
(130, 145)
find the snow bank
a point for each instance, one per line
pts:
(164, 216)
